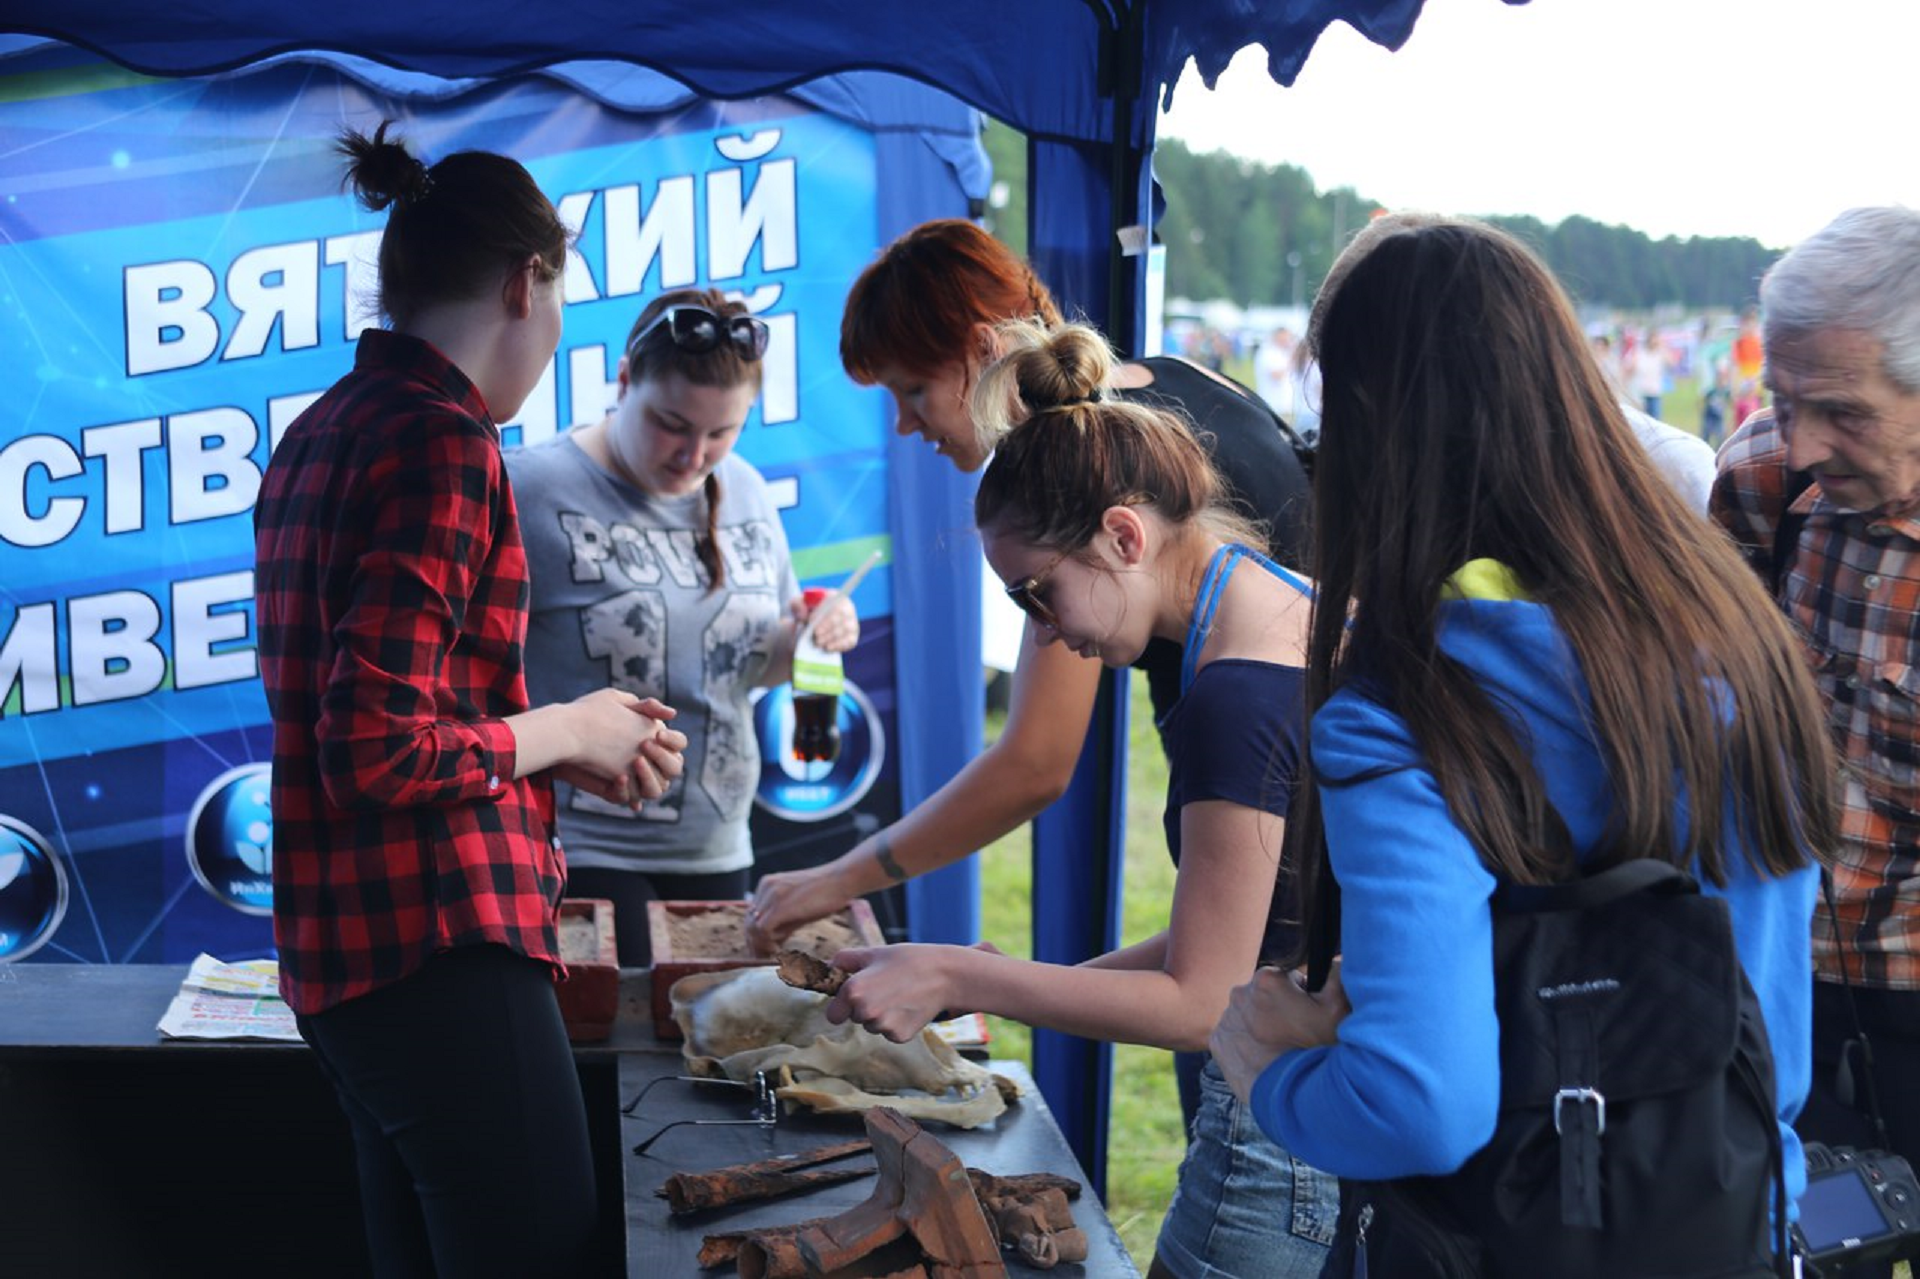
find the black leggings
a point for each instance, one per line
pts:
(467, 1119)
(631, 890)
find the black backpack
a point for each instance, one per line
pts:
(1636, 1135)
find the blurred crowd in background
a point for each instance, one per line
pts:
(1700, 372)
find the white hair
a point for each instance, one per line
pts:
(1861, 272)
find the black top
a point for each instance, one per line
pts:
(1245, 439)
(1236, 736)
(1248, 446)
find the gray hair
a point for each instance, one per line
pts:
(1861, 272)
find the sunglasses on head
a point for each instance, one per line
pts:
(697, 330)
(1026, 593)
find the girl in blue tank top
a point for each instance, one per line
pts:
(1110, 529)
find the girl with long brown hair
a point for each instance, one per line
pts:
(1520, 628)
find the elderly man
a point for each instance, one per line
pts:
(1823, 490)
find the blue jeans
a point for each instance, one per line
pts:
(1244, 1208)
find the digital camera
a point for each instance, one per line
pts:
(1860, 1206)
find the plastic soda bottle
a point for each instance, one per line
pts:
(818, 677)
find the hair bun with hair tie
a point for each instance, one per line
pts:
(1068, 405)
(1072, 402)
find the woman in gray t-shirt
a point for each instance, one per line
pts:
(659, 566)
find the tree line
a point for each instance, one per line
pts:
(1259, 234)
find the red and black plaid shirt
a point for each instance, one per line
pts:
(391, 589)
(1853, 594)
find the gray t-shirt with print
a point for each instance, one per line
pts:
(620, 598)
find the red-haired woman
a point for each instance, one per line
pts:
(922, 322)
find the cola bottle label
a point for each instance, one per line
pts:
(818, 673)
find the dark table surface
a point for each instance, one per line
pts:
(1025, 1139)
(51, 1009)
(102, 1013)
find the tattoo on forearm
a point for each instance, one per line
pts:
(883, 854)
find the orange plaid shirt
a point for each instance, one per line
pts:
(1852, 591)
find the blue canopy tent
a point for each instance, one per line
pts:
(1083, 79)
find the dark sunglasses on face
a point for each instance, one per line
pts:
(696, 330)
(1026, 593)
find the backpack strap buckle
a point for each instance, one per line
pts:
(1580, 1096)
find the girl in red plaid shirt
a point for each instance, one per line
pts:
(416, 872)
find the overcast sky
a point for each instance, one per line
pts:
(1761, 118)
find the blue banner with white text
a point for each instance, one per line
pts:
(180, 275)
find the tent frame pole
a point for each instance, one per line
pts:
(1079, 843)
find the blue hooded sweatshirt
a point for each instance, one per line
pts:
(1412, 1086)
